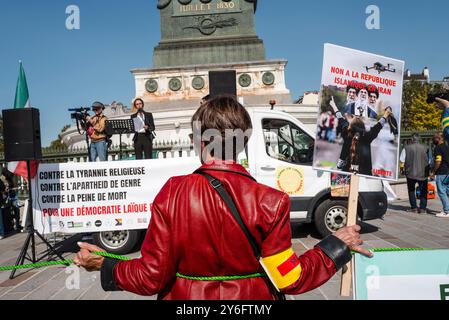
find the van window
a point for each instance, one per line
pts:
(286, 142)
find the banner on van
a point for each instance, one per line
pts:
(94, 197)
(402, 275)
(358, 127)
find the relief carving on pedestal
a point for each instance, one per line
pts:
(207, 25)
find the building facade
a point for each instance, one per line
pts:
(199, 36)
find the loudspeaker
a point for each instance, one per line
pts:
(22, 134)
(223, 82)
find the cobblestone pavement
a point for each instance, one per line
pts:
(398, 229)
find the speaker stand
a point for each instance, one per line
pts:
(121, 148)
(30, 242)
(88, 147)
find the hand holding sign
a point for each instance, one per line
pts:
(351, 236)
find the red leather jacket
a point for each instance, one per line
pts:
(193, 233)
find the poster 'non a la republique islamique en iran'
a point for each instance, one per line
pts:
(358, 127)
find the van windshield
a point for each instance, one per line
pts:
(286, 142)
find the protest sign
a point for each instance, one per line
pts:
(358, 128)
(93, 197)
(402, 275)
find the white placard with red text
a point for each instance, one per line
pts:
(101, 196)
(362, 85)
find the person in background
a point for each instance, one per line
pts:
(330, 127)
(11, 196)
(144, 125)
(351, 98)
(444, 104)
(440, 172)
(2, 226)
(322, 126)
(97, 133)
(415, 158)
(373, 97)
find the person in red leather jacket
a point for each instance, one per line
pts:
(193, 236)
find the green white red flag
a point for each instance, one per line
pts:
(22, 100)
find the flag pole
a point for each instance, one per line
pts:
(22, 101)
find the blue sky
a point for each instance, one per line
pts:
(66, 69)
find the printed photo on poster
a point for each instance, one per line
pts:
(358, 125)
(340, 185)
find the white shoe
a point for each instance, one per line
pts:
(2, 237)
(442, 215)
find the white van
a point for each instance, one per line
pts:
(279, 151)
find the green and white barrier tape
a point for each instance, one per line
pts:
(122, 258)
(57, 263)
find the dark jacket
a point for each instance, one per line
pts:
(363, 152)
(193, 233)
(149, 121)
(417, 165)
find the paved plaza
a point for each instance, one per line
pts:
(398, 229)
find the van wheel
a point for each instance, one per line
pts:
(117, 242)
(331, 216)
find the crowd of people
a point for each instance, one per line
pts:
(419, 165)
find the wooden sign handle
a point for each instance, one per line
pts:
(346, 277)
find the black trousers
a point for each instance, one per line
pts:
(142, 145)
(422, 186)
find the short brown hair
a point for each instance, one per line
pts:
(224, 114)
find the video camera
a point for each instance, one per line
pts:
(79, 114)
(442, 95)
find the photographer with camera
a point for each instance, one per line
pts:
(97, 133)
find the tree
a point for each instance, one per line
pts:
(57, 144)
(417, 114)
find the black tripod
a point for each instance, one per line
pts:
(32, 232)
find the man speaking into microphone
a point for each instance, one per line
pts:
(144, 127)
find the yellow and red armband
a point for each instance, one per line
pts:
(283, 269)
